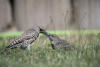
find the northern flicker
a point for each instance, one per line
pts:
(56, 42)
(25, 40)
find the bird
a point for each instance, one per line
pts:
(56, 42)
(25, 40)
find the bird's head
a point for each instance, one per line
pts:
(40, 29)
(37, 28)
(53, 37)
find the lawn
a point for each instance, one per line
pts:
(86, 54)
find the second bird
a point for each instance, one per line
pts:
(56, 42)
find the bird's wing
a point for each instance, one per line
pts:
(15, 43)
(21, 39)
(30, 34)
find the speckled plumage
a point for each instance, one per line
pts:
(25, 40)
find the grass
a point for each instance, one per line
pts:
(58, 32)
(42, 55)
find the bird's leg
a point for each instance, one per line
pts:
(53, 46)
(28, 48)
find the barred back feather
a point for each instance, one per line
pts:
(25, 40)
